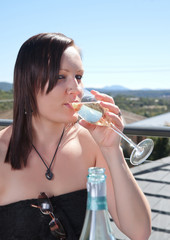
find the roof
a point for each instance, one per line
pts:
(130, 117)
(154, 180)
(157, 121)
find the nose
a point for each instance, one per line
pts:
(76, 90)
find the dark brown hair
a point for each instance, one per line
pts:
(37, 63)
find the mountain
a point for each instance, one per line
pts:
(116, 88)
(5, 86)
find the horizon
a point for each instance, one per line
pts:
(116, 87)
(122, 42)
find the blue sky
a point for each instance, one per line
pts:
(124, 42)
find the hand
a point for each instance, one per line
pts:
(105, 136)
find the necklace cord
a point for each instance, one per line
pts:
(48, 168)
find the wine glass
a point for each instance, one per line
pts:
(90, 110)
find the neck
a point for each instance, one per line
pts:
(46, 133)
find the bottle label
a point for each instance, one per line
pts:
(97, 203)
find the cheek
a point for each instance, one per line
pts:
(50, 98)
(50, 104)
(43, 103)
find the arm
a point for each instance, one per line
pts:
(132, 208)
(127, 204)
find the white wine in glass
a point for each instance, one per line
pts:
(90, 110)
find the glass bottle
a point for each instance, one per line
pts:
(97, 223)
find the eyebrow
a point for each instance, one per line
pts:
(66, 70)
(63, 70)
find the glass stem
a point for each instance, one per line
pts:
(118, 131)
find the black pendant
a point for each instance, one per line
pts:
(49, 174)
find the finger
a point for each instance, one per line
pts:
(115, 119)
(87, 125)
(102, 96)
(111, 107)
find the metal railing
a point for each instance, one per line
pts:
(129, 130)
(148, 131)
(5, 122)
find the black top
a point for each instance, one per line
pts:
(20, 221)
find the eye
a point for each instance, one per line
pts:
(78, 77)
(61, 77)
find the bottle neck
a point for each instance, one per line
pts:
(96, 195)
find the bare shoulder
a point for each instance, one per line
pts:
(84, 135)
(87, 141)
(5, 136)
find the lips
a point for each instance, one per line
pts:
(70, 105)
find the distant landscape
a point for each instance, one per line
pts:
(115, 90)
(120, 90)
(144, 102)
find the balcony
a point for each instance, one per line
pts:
(153, 178)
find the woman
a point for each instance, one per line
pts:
(45, 150)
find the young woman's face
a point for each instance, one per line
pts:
(55, 106)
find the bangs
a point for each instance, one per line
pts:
(52, 58)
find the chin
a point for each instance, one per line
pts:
(72, 119)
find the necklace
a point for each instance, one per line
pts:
(49, 174)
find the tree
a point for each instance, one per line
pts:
(161, 148)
